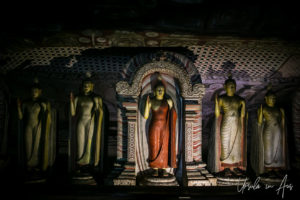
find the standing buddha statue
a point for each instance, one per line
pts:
(227, 154)
(269, 145)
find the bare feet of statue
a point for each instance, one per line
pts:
(237, 171)
(225, 173)
(165, 173)
(155, 172)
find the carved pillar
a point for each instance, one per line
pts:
(188, 135)
(120, 150)
(193, 128)
(197, 175)
(131, 114)
(129, 120)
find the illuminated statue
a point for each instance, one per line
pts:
(87, 111)
(37, 132)
(269, 145)
(162, 150)
(227, 153)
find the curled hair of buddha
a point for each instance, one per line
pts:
(159, 84)
(36, 84)
(230, 80)
(270, 91)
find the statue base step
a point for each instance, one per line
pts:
(271, 181)
(230, 181)
(37, 180)
(274, 179)
(200, 177)
(149, 180)
(126, 178)
(83, 179)
(197, 175)
(231, 178)
(35, 176)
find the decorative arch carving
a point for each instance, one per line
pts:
(188, 90)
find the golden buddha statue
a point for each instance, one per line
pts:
(87, 110)
(269, 138)
(162, 150)
(228, 149)
(35, 115)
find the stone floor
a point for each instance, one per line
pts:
(64, 192)
(59, 189)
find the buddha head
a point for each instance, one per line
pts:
(270, 98)
(159, 91)
(230, 86)
(36, 89)
(159, 87)
(87, 85)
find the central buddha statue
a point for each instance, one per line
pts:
(162, 150)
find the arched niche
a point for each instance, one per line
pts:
(142, 138)
(130, 96)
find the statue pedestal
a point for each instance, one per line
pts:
(226, 181)
(35, 176)
(232, 180)
(35, 180)
(147, 179)
(197, 175)
(83, 179)
(271, 181)
(273, 178)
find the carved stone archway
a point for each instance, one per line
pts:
(128, 96)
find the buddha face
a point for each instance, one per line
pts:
(87, 87)
(159, 92)
(270, 100)
(36, 93)
(230, 88)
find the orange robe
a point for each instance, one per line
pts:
(162, 150)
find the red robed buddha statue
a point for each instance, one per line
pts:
(162, 139)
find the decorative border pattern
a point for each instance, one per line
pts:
(131, 140)
(188, 142)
